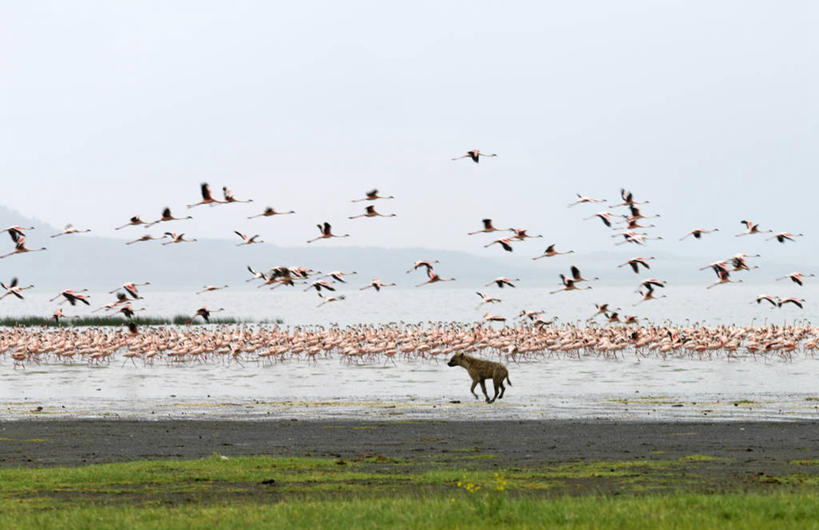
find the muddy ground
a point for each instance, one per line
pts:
(740, 447)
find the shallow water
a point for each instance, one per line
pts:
(559, 388)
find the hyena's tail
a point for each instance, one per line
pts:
(508, 380)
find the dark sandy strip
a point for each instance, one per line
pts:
(744, 447)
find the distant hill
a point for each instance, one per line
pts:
(9, 217)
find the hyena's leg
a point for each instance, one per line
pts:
(483, 387)
(474, 384)
(499, 384)
(495, 382)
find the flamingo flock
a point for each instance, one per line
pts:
(624, 217)
(531, 338)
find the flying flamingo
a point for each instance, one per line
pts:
(500, 281)
(338, 276)
(628, 199)
(784, 236)
(797, 277)
(166, 216)
(434, 278)
(269, 211)
(318, 285)
(229, 198)
(422, 263)
(520, 234)
(207, 197)
(146, 237)
(209, 288)
(715, 265)
(795, 301)
(649, 286)
(635, 263)
(582, 199)
(632, 223)
(13, 289)
(751, 228)
(205, 313)
(256, 274)
(131, 288)
(58, 314)
(72, 297)
(530, 313)
(20, 248)
(631, 319)
(569, 285)
(505, 243)
(639, 239)
(278, 277)
(134, 221)
(486, 299)
(723, 275)
(373, 195)
(122, 298)
(370, 212)
(698, 232)
(69, 229)
(603, 216)
(247, 240)
(177, 238)
(487, 228)
(602, 309)
(377, 285)
(493, 318)
(16, 232)
(326, 232)
(301, 272)
(578, 278)
(740, 263)
(128, 311)
(550, 251)
(635, 214)
(329, 299)
(474, 154)
(773, 301)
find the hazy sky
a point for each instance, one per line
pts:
(708, 109)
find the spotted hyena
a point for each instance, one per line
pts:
(480, 370)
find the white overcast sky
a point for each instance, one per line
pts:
(709, 109)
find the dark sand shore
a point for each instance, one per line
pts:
(742, 448)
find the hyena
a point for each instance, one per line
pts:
(481, 370)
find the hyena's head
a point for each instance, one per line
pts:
(456, 359)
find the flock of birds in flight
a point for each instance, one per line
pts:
(628, 227)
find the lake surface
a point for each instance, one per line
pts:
(725, 304)
(553, 386)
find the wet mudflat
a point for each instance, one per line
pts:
(737, 447)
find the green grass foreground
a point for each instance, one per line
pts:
(377, 492)
(677, 511)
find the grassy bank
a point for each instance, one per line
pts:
(374, 491)
(677, 511)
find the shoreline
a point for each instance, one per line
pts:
(638, 407)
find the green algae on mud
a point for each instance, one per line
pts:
(376, 492)
(374, 475)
